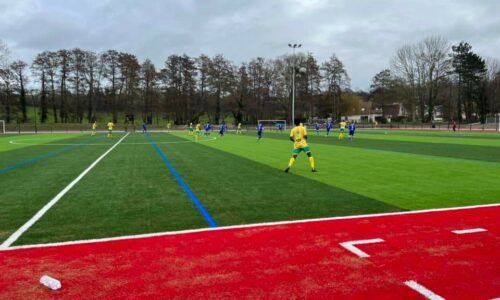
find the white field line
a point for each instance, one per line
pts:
(13, 142)
(423, 290)
(350, 246)
(6, 244)
(465, 231)
(167, 233)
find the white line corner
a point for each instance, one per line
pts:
(350, 246)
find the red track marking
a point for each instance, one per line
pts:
(284, 261)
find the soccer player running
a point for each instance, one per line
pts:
(168, 126)
(298, 135)
(342, 125)
(352, 128)
(280, 127)
(316, 127)
(94, 127)
(190, 129)
(329, 126)
(197, 131)
(260, 129)
(144, 128)
(110, 129)
(238, 129)
(222, 129)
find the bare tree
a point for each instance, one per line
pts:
(111, 72)
(19, 71)
(220, 79)
(336, 79)
(39, 68)
(6, 78)
(404, 66)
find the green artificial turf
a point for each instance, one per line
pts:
(237, 179)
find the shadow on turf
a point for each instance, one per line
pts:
(469, 152)
(236, 190)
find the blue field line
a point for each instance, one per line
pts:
(183, 184)
(50, 154)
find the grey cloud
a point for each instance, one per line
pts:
(364, 34)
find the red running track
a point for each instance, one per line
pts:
(298, 260)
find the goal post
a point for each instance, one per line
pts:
(497, 122)
(493, 122)
(2, 126)
(272, 124)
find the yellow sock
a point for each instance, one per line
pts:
(291, 162)
(311, 162)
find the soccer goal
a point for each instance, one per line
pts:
(2, 125)
(272, 125)
(493, 122)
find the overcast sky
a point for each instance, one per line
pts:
(363, 34)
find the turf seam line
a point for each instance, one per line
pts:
(44, 156)
(183, 184)
(254, 225)
(9, 241)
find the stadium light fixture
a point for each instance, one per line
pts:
(294, 46)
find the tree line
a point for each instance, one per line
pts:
(434, 74)
(77, 85)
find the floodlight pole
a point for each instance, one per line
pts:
(294, 46)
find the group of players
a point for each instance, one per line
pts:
(195, 130)
(110, 126)
(298, 135)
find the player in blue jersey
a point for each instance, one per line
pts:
(317, 127)
(144, 127)
(280, 127)
(329, 126)
(208, 128)
(222, 129)
(352, 128)
(260, 129)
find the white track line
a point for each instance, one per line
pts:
(166, 233)
(350, 246)
(6, 244)
(423, 290)
(465, 231)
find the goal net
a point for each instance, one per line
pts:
(2, 127)
(492, 122)
(273, 125)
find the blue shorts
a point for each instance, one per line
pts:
(259, 133)
(351, 132)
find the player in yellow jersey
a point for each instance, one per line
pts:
(298, 135)
(110, 129)
(238, 129)
(94, 127)
(168, 126)
(342, 125)
(197, 131)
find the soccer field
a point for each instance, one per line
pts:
(168, 182)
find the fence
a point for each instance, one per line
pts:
(85, 127)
